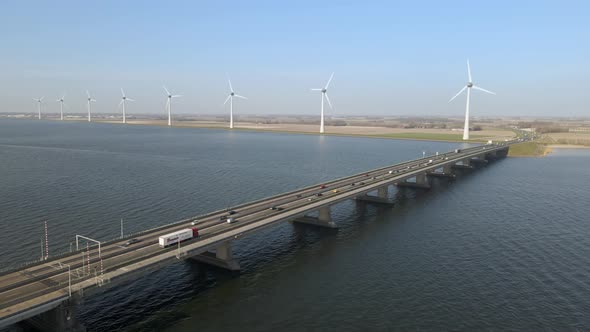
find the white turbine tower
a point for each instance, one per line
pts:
(39, 101)
(169, 104)
(124, 99)
(61, 106)
(90, 99)
(324, 94)
(468, 86)
(231, 96)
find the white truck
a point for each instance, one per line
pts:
(178, 236)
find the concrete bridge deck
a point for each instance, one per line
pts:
(52, 284)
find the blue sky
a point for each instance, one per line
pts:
(389, 58)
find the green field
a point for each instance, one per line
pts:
(433, 137)
(528, 149)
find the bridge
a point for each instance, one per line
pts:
(46, 293)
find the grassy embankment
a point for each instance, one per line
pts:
(529, 149)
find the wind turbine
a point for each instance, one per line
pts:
(124, 99)
(90, 99)
(61, 108)
(39, 101)
(324, 94)
(469, 86)
(231, 96)
(169, 104)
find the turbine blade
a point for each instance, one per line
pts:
(240, 96)
(41, 99)
(316, 89)
(121, 103)
(330, 80)
(176, 96)
(328, 99)
(35, 99)
(92, 99)
(122, 92)
(469, 71)
(458, 93)
(167, 92)
(230, 87)
(484, 90)
(88, 93)
(129, 99)
(228, 97)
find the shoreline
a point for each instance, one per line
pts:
(567, 146)
(382, 132)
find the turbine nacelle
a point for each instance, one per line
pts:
(469, 84)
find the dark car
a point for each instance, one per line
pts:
(131, 241)
(319, 194)
(232, 212)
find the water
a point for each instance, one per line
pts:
(505, 247)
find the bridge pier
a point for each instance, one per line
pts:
(421, 182)
(382, 197)
(324, 219)
(479, 160)
(465, 164)
(491, 155)
(62, 318)
(223, 257)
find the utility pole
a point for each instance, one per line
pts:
(121, 227)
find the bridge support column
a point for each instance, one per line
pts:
(324, 218)
(422, 179)
(421, 182)
(465, 164)
(382, 192)
(502, 153)
(448, 169)
(481, 159)
(447, 172)
(223, 257)
(382, 197)
(61, 318)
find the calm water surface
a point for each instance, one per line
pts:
(505, 247)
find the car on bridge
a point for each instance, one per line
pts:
(131, 241)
